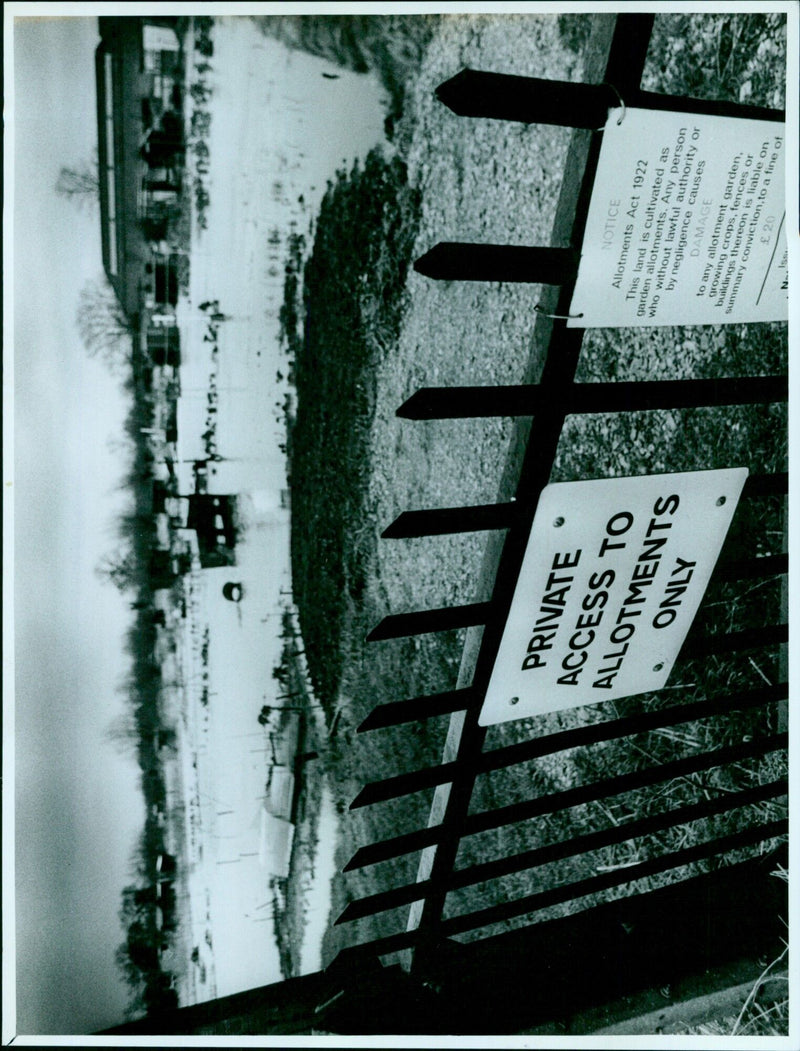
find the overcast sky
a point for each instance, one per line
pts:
(78, 806)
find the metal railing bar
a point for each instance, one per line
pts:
(534, 858)
(775, 484)
(629, 725)
(389, 943)
(418, 708)
(594, 884)
(394, 847)
(407, 940)
(529, 100)
(732, 641)
(651, 775)
(618, 833)
(439, 521)
(444, 520)
(421, 622)
(587, 398)
(467, 261)
(532, 100)
(510, 755)
(747, 568)
(516, 812)
(405, 784)
(714, 107)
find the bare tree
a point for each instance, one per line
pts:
(80, 184)
(104, 327)
(119, 569)
(131, 974)
(123, 732)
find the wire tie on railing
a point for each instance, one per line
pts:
(558, 317)
(621, 102)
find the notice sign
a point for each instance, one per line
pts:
(686, 223)
(612, 577)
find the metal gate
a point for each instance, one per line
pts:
(535, 961)
(433, 932)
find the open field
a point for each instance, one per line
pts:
(487, 181)
(205, 697)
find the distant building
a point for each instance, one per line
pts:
(280, 792)
(275, 844)
(138, 66)
(165, 867)
(182, 557)
(213, 518)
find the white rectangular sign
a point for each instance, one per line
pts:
(686, 223)
(612, 577)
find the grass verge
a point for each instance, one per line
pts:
(352, 305)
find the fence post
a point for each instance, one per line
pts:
(463, 261)
(501, 96)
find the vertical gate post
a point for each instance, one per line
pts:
(530, 100)
(463, 261)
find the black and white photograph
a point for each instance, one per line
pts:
(396, 523)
